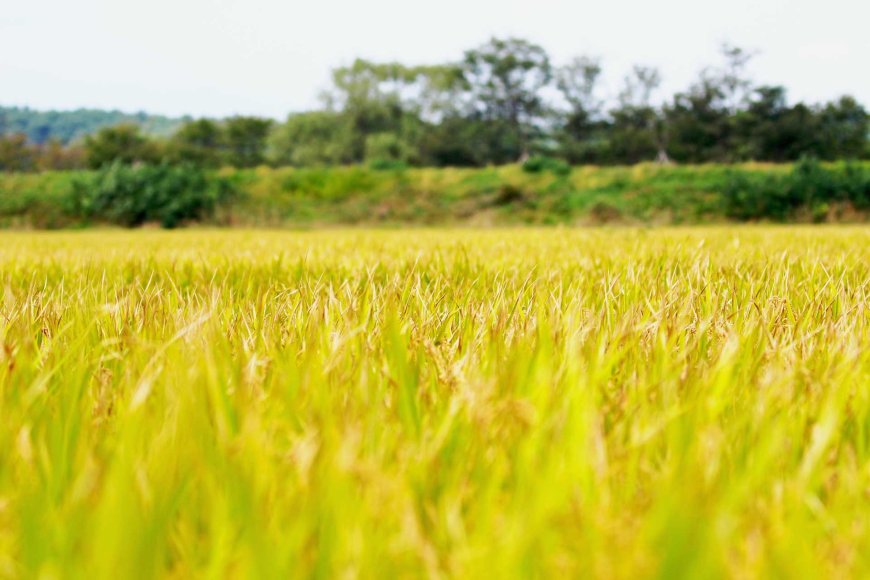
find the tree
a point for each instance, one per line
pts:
(582, 128)
(771, 130)
(315, 138)
(16, 154)
(199, 142)
(637, 130)
(459, 141)
(698, 124)
(639, 87)
(578, 83)
(505, 78)
(635, 135)
(368, 95)
(53, 156)
(440, 91)
(246, 140)
(843, 129)
(499, 103)
(380, 99)
(702, 123)
(732, 78)
(124, 144)
(387, 147)
(71, 126)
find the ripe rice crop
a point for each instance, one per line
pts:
(436, 403)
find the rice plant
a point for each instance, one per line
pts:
(436, 403)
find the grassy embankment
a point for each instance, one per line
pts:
(494, 196)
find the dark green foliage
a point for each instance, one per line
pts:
(200, 142)
(387, 165)
(387, 149)
(246, 140)
(772, 130)
(633, 134)
(132, 196)
(463, 142)
(541, 163)
(123, 144)
(844, 127)
(808, 188)
(698, 125)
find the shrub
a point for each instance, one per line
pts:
(810, 187)
(387, 165)
(387, 150)
(541, 163)
(131, 196)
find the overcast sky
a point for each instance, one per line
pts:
(270, 57)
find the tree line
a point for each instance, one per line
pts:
(65, 127)
(504, 101)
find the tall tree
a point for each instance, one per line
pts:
(639, 86)
(201, 142)
(505, 78)
(246, 139)
(844, 127)
(770, 129)
(637, 131)
(698, 124)
(123, 143)
(732, 77)
(16, 154)
(583, 126)
(376, 99)
(314, 138)
(578, 81)
(53, 156)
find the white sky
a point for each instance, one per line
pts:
(270, 57)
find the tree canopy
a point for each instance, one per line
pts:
(500, 102)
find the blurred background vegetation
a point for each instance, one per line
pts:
(501, 103)
(501, 136)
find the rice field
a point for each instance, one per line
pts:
(613, 403)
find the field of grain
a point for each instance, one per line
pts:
(434, 403)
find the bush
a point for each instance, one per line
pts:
(131, 196)
(541, 163)
(810, 188)
(387, 165)
(387, 150)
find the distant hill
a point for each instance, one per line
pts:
(70, 126)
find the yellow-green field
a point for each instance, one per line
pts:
(550, 403)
